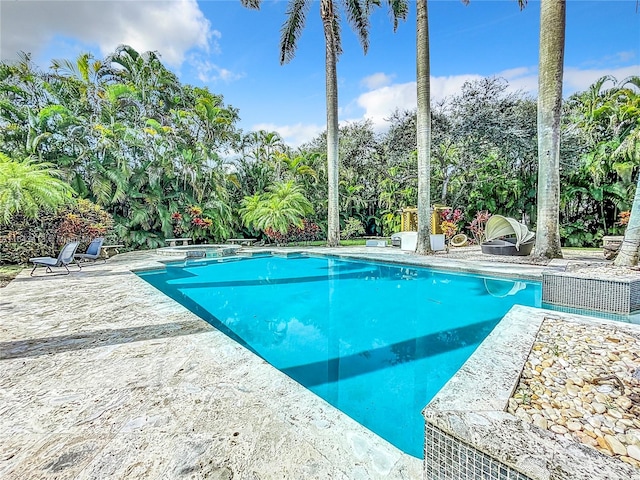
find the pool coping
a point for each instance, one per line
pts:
(108, 377)
(327, 438)
(472, 408)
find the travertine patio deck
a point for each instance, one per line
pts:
(102, 376)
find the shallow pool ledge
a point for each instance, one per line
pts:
(470, 434)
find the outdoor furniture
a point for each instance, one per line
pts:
(92, 254)
(507, 236)
(65, 257)
(376, 243)
(247, 242)
(611, 245)
(459, 240)
(174, 241)
(104, 250)
(405, 240)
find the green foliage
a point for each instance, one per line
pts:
(196, 223)
(27, 187)
(128, 136)
(578, 234)
(282, 206)
(352, 228)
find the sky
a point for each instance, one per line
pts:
(235, 51)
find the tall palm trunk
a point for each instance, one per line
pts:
(333, 221)
(552, 32)
(628, 255)
(423, 81)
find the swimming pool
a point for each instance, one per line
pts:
(375, 340)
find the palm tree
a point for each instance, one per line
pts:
(156, 87)
(27, 187)
(552, 33)
(357, 15)
(423, 127)
(629, 150)
(283, 206)
(423, 120)
(628, 254)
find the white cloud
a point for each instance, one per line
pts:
(208, 72)
(576, 80)
(522, 78)
(170, 27)
(382, 98)
(378, 103)
(609, 60)
(293, 135)
(376, 80)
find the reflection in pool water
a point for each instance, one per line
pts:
(376, 340)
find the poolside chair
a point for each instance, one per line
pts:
(92, 254)
(65, 257)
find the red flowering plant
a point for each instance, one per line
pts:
(191, 223)
(449, 221)
(477, 226)
(309, 232)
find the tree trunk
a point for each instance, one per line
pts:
(423, 128)
(628, 254)
(552, 32)
(333, 220)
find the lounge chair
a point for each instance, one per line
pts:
(92, 254)
(507, 236)
(65, 257)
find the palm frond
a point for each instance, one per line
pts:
(292, 28)
(358, 17)
(399, 10)
(254, 4)
(27, 187)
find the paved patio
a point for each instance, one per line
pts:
(102, 376)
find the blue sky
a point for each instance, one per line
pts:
(235, 51)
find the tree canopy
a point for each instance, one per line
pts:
(125, 133)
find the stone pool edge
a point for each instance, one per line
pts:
(467, 420)
(370, 454)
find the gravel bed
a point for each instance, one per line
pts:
(583, 382)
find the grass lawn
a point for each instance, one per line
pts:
(8, 273)
(323, 243)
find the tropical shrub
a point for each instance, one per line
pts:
(353, 228)
(192, 223)
(26, 187)
(24, 237)
(281, 207)
(309, 232)
(477, 226)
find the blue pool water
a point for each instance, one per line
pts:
(375, 340)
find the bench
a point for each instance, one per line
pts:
(174, 241)
(242, 241)
(611, 245)
(376, 243)
(104, 250)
